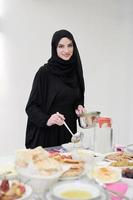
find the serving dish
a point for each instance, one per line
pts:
(105, 175)
(119, 155)
(16, 188)
(75, 190)
(103, 196)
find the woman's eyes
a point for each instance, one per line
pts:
(70, 45)
(62, 46)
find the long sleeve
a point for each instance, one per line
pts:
(35, 106)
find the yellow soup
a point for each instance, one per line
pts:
(74, 194)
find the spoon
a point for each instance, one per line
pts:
(75, 137)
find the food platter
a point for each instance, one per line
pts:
(119, 155)
(15, 190)
(120, 159)
(105, 175)
(76, 167)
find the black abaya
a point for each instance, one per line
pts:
(57, 97)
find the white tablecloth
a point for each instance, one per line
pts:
(9, 160)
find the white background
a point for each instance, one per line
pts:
(103, 30)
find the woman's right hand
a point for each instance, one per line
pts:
(56, 118)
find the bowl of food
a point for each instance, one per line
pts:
(35, 167)
(39, 183)
(75, 190)
(88, 119)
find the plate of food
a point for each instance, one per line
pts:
(120, 155)
(106, 175)
(120, 159)
(14, 189)
(76, 167)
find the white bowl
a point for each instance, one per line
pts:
(39, 183)
(70, 146)
(82, 154)
(75, 190)
(87, 156)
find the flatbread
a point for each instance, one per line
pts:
(72, 172)
(65, 159)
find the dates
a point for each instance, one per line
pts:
(127, 173)
(4, 185)
(11, 190)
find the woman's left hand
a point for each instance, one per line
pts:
(80, 109)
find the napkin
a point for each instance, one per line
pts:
(118, 187)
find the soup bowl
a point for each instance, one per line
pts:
(75, 190)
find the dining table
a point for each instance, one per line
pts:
(10, 160)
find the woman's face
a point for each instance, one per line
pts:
(65, 48)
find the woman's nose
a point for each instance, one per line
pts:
(66, 49)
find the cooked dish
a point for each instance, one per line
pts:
(119, 156)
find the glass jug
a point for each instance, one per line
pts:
(103, 135)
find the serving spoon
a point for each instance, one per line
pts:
(75, 137)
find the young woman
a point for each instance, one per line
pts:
(57, 95)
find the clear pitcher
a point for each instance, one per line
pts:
(103, 135)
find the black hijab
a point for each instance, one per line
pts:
(70, 71)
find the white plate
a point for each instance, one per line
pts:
(113, 153)
(28, 191)
(75, 186)
(73, 177)
(112, 161)
(107, 176)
